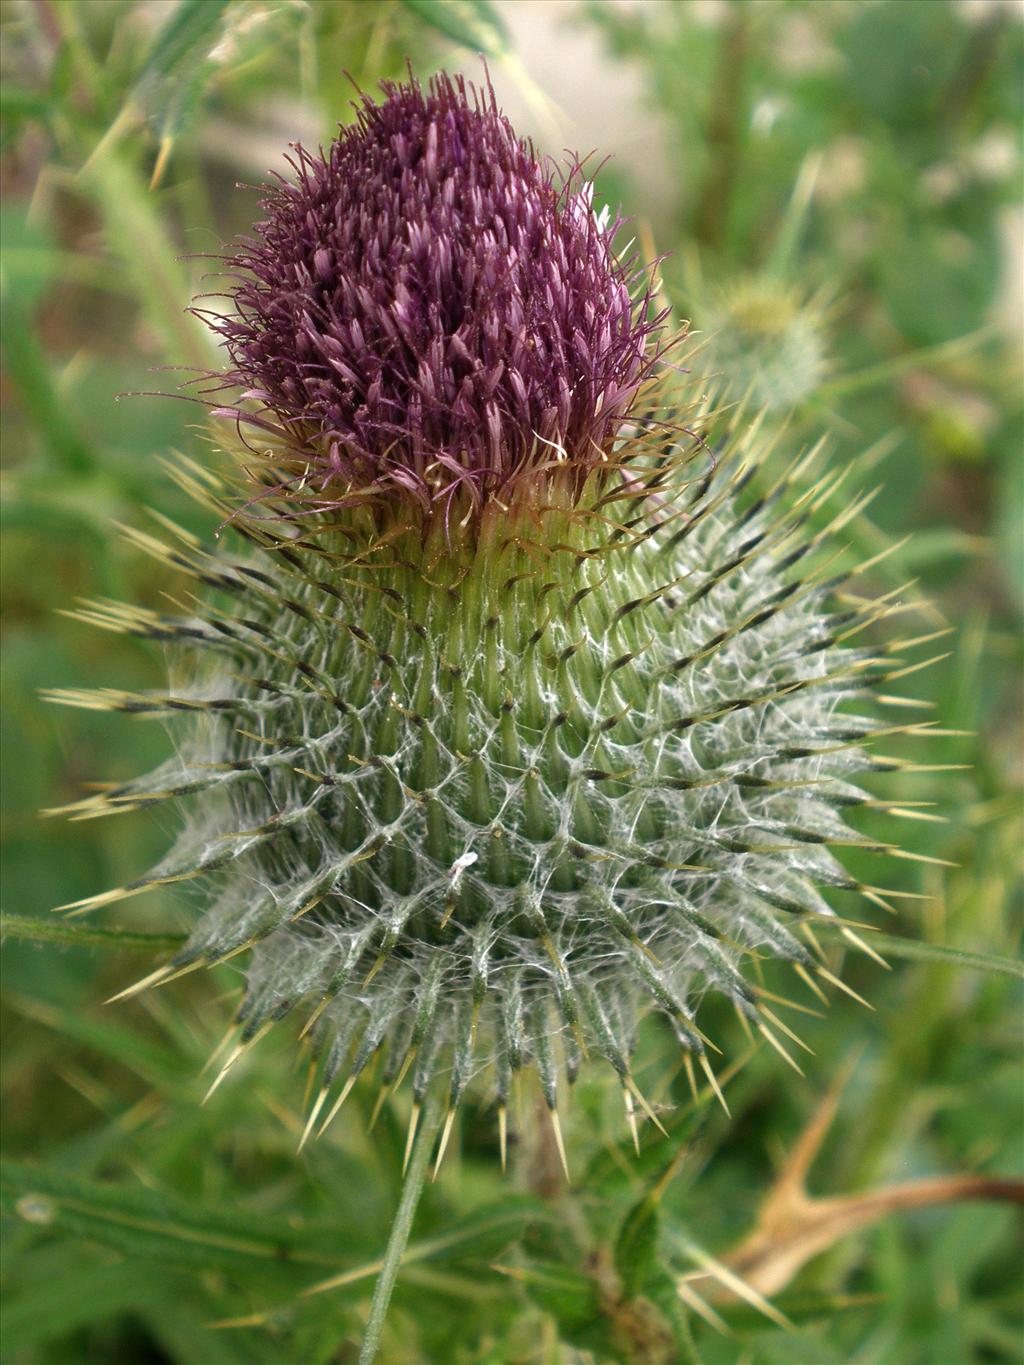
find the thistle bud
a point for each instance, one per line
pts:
(515, 714)
(765, 341)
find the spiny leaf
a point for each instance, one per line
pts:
(158, 1065)
(479, 1235)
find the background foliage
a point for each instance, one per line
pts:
(848, 170)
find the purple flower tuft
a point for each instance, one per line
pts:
(431, 308)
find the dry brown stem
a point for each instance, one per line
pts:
(793, 1226)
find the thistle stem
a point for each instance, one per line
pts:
(398, 1238)
(723, 131)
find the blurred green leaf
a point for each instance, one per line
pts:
(185, 34)
(901, 58)
(637, 1245)
(480, 1234)
(171, 81)
(138, 236)
(475, 24)
(571, 1297)
(48, 1306)
(661, 1289)
(884, 372)
(27, 365)
(484, 1233)
(929, 547)
(133, 1049)
(1010, 515)
(144, 1223)
(940, 284)
(186, 1334)
(18, 103)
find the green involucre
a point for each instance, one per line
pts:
(477, 798)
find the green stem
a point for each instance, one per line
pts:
(398, 1239)
(887, 370)
(917, 950)
(691, 1356)
(30, 370)
(39, 930)
(723, 132)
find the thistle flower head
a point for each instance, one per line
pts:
(479, 811)
(429, 307)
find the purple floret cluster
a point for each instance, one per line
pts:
(430, 308)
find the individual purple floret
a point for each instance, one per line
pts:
(429, 307)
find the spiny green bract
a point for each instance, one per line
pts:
(476, 802)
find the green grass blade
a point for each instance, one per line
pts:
(185, 34)
(475, 24)
(30, 371)
(886, 371)
(136, 231)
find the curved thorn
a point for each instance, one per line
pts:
(770, 1014)
(233, 1057)
(690, 1075)
(702, 1308)
(766, 1032)
(378, 1105)
(739, 1287)
(218, 1049)
(404, 1069)
(744, 1023)
(308, 1025)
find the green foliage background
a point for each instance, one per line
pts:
(859, 158)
